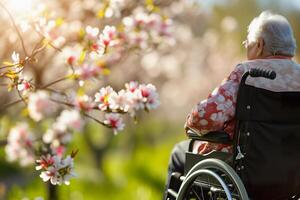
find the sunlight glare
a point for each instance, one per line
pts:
(20, 8)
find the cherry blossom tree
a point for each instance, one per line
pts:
(85, 54)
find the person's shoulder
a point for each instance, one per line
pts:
(245, 65)
(255, 61)
(264, 63)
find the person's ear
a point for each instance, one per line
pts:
(260, 47)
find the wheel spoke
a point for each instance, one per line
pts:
(217, 181)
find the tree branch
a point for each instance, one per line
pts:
(53, 82)
(96, 120)
(10, 104)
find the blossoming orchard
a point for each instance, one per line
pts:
(87, 53)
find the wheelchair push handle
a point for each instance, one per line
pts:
(269, 74)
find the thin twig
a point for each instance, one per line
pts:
(56, 91)
(53, 82)
(9, 66)
(49, 42)
(10, 104)
(96, 120)
(37, 45)
(63, 103)
(49, 89)
(20, 95)
(85, 114)
(94, 108)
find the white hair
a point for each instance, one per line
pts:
(276, 32)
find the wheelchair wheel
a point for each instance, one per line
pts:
(212, 179)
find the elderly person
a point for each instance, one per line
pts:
(270, 45)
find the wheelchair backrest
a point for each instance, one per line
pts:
(268, 135)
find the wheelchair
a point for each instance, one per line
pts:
(265, 163)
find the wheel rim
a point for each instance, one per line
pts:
(222, 167)
(189, 180)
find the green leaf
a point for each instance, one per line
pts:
(59, 21)
(82, 56)
(106, 72)
(7, 63)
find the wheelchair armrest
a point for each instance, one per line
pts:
(213, 136)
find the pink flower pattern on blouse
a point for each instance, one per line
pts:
(217, 111)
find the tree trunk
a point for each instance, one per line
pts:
(52, 191)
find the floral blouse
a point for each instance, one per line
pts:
(217, 111)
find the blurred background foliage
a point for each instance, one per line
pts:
(133, 164)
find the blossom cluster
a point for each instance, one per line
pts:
(51, 30)
(112, 8)
(143, 29)
(98, 50)
(135, 97)
(56, 169)
(40, 105)
(20, 145)
(90, 52)
(60, 133)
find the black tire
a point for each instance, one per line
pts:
(226, 182)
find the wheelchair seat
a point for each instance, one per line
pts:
(266, 145)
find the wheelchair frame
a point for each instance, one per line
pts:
(214, 167)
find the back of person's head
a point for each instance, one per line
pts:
(276, 32)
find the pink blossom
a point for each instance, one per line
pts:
(136, 101)
(39, 105)
(44, 162)
(119, 100)
(51, 30)
(150, 96)
(104, 40)
(91, 32)
(20, 145)
(141, 97)
(71, 60)
(152, 102)
(60, 132)
(84, 103)
(71, 119)
(72, 54)
(142, 29)
(57, 135)
(59, 151)
(102, 97)
(140, 19)
(58, 171)
(132, 86)
(24, 86)
(109, 31)
(87, 71)
(107, 37)
(115, 121)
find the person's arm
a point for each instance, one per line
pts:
(212, 113)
